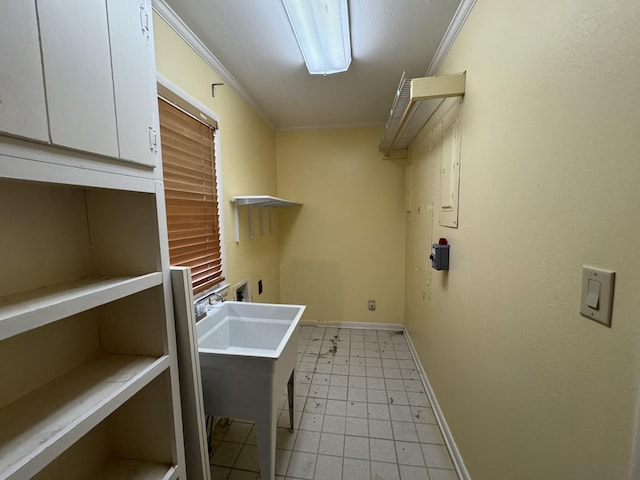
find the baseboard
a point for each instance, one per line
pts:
(458, 463)
(355, 325)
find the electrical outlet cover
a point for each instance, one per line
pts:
(596, 300)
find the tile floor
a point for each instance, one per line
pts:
(361, 413)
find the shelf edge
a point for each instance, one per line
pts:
(28, 310)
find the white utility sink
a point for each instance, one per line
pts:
(247, 356)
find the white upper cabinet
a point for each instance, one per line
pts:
(130, 29)
(78, 80)
(22, 105)
(99, 76)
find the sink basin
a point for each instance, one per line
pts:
(247, 356)
(252, 329)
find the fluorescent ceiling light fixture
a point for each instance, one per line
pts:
(322, 30)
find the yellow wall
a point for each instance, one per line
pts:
(549, 182)
(247, 151)
(346, 244)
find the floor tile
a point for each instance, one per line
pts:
(405, 431)
(436, 456)
(373, 362)
(337, 393)
(354, 469)
(357, 426)
(334, 424)
(413, 386)
(328, 468)
(374, 372)
(243, 475)
(388, 353)
(356, 447)
(355, 352)
(400, 413)
(248, 458)
(312, 422)
(382, 450)
(336, 407)
(375, 383)
(315, 405)
(357, 361)
(439, 474)
(226, 454)
(302, 465)
(357, 382)
(338, 380)
(378, 411)
(394, 384)
(331, 444)
(423, 415)
(219, 473)
(418, 399)
(357, 395)
(390, 363)
(413, 473)
(324, 368)
(380, 429)
(409, 453)
(410, 374)
(429, 433)
(391, 373)
(285, 439)
(320, 379)
(357, 409)
(384, 471)
(307, 441)
(340, 369)
(377, 396)
(318, 391)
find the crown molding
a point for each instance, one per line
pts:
(177, 24)
(449, 36)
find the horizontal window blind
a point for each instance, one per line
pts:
(188, 162)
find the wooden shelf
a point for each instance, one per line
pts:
(136, 470)
(25, 311)
(257, 201)
(38, 427)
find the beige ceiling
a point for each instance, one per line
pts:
(253, 40)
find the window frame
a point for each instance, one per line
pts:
(173, 94)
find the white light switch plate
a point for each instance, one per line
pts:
(596, 301)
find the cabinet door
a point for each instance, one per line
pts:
(22, 105)
(134, 79)
(78, 79)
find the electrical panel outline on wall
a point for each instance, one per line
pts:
(448, 147)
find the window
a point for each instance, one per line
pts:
(189, 170)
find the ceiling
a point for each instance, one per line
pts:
(253, 40)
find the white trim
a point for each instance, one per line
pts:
(175, 22)
(331, 126)
(354, 325)
(449, 36)
(174, 92)
(458, 463)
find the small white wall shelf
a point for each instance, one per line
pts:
(257, 201)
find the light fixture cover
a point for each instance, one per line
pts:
(322, 30)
